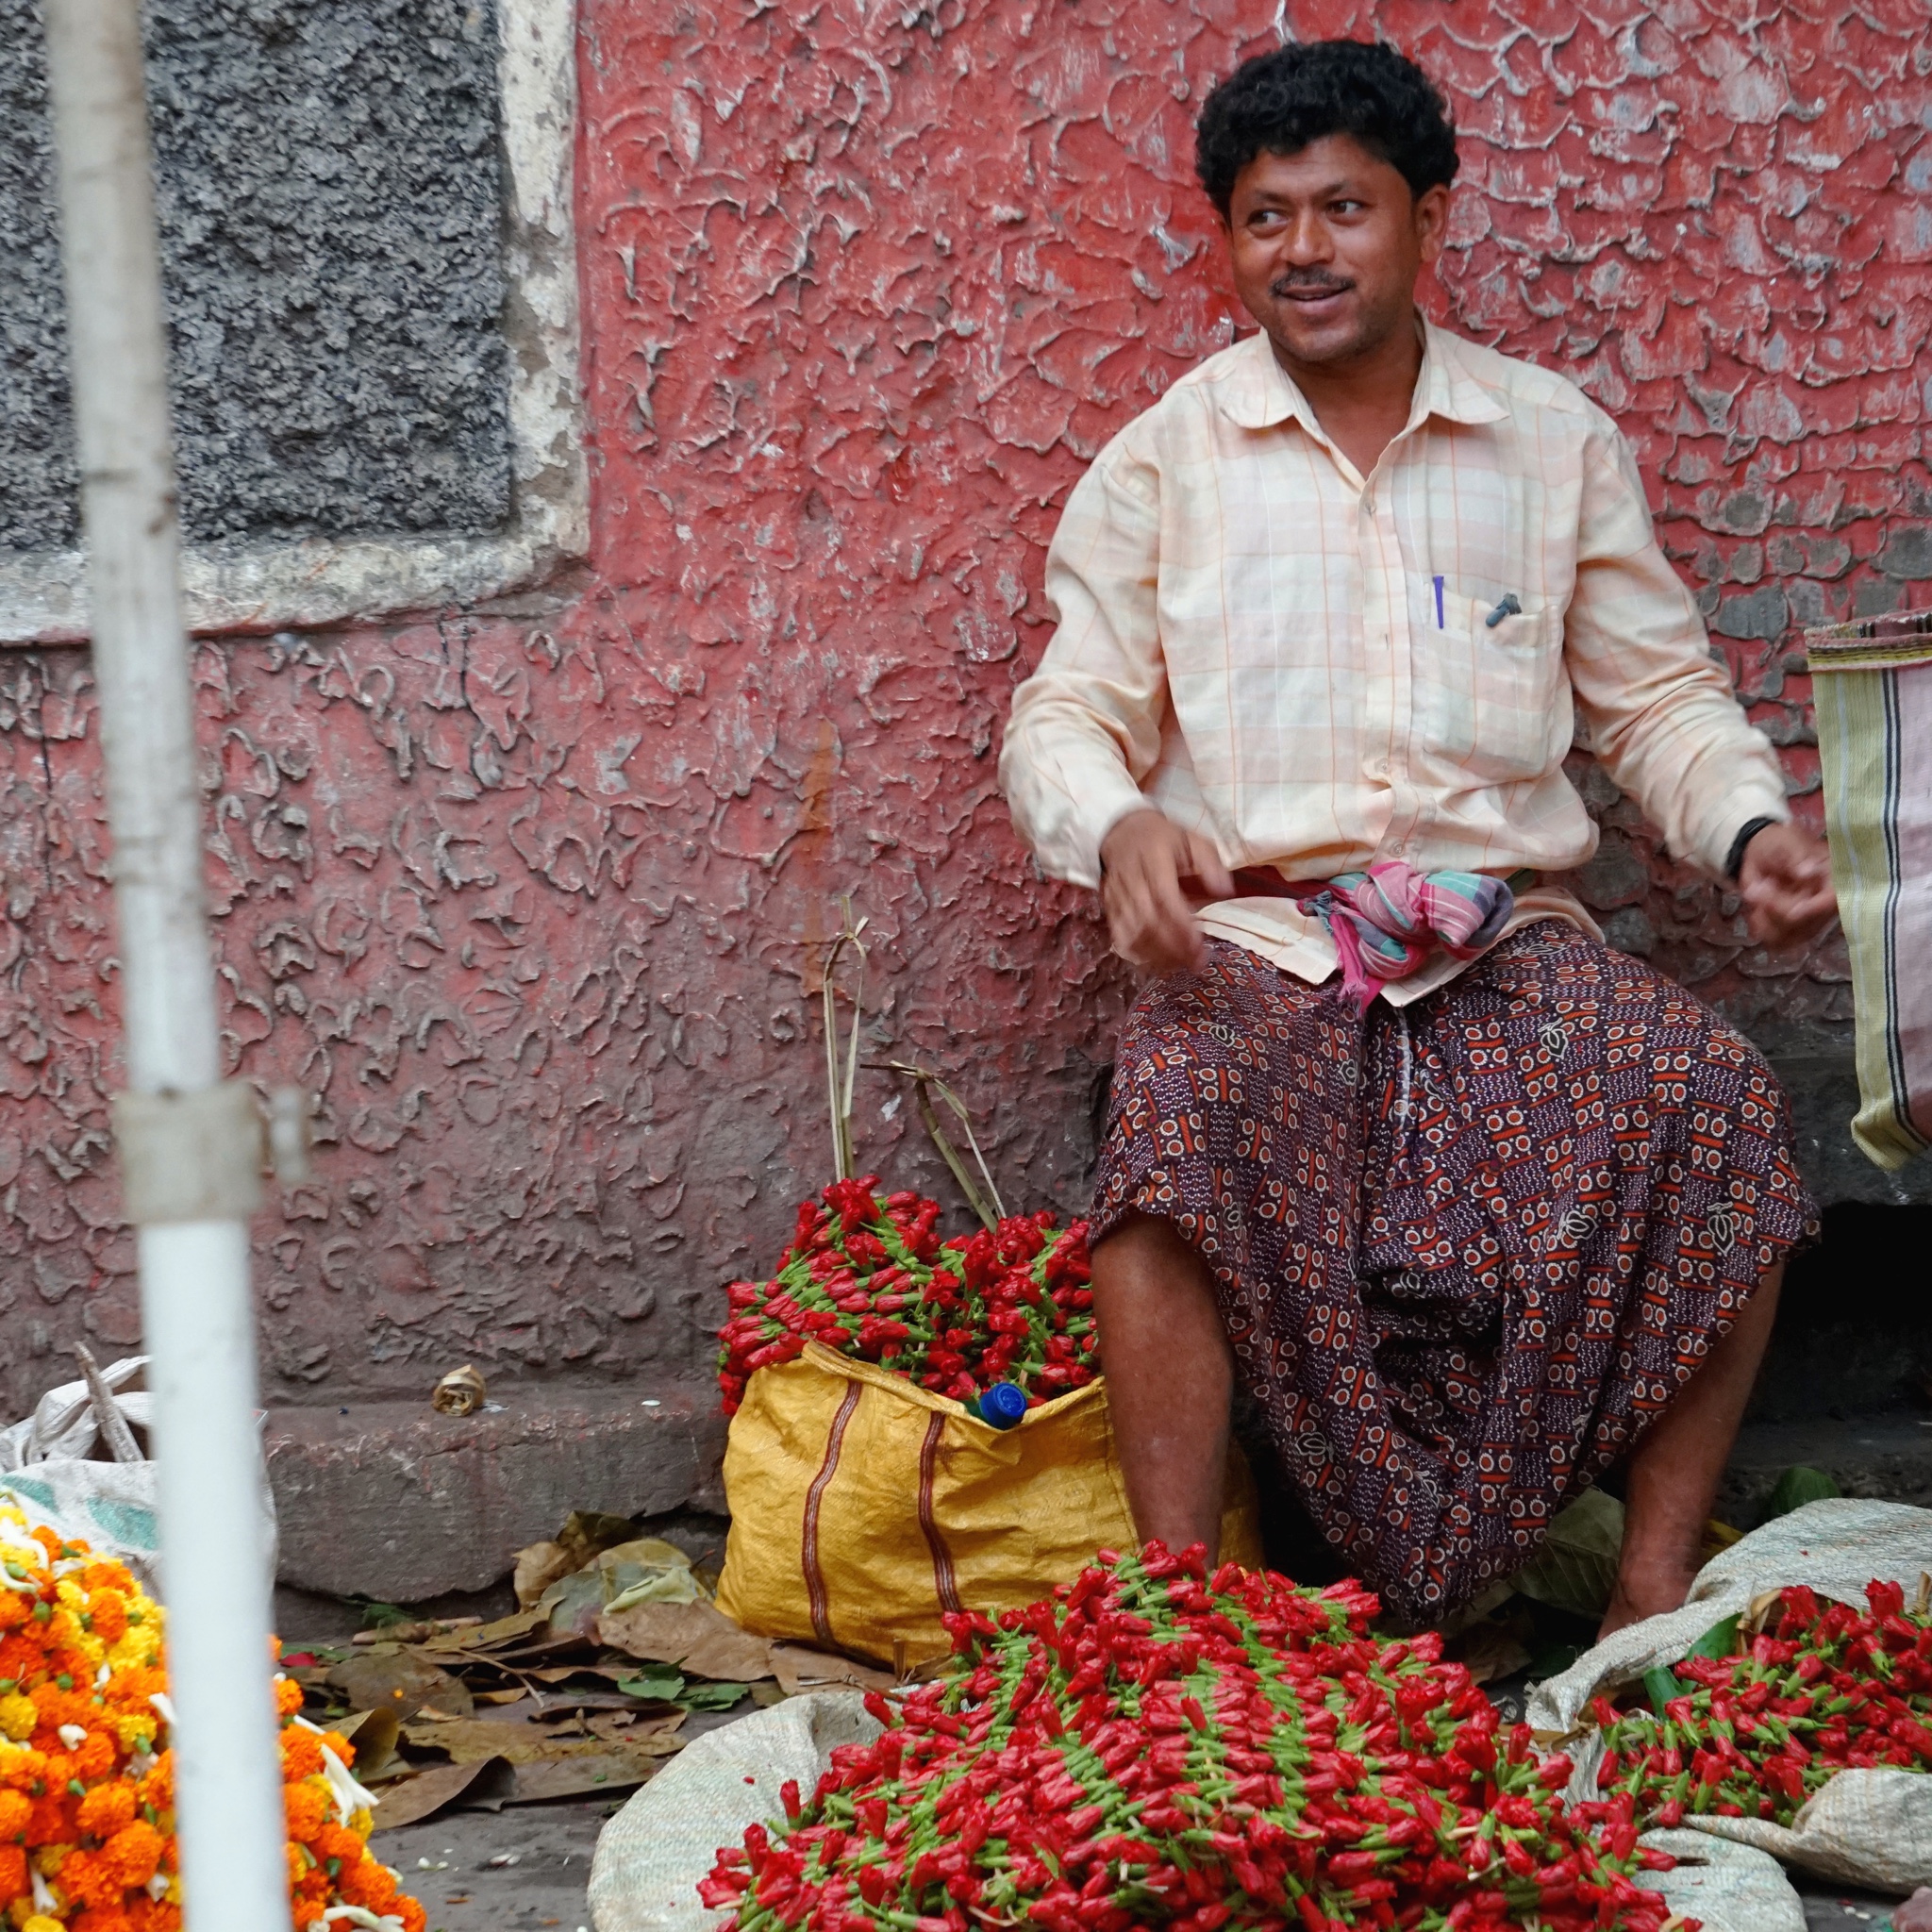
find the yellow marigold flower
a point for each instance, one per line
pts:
(48, 1859)
(93, 1650)
(137, 1650)
(131, 1729)
(70, 1594)
(39, 1921)
(18, 1716)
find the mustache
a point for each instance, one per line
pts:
(1308, 281)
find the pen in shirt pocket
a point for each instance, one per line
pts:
(1438, 602)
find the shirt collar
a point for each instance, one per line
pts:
(1261, 394)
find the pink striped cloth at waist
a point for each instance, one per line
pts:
(1385, 922)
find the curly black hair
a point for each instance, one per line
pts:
(1280, 103)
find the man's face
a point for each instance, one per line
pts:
(1326, 247)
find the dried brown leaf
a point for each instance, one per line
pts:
(798, 1668)
(538, 1568)
(488, 1783)
(698, 1638)
(465, 1744)
(398, 1680)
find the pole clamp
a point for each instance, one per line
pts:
(190, 1157)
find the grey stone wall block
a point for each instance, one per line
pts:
(392, 1501)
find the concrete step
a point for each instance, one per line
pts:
(391, 1500)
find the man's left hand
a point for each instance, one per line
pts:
(1786, 880)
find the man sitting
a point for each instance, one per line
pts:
(1473, 1206)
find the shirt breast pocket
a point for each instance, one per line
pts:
(1492, 698)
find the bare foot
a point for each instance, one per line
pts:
(1647, 1590)
(1915, 1915)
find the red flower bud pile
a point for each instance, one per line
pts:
(872, 1281)
(1151, 1747)
(1755, 1734)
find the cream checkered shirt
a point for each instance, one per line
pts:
(1297, 663)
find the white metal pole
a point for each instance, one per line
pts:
(190, 1144)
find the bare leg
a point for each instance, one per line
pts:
(1169, 1379)
(1675, 1471)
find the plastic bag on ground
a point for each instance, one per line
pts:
(1871, 1828)
(650, 1856)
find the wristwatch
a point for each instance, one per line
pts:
(1748, 831)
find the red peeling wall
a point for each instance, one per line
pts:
(535, 895)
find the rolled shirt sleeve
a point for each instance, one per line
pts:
(1086, 727)
(1660, 711)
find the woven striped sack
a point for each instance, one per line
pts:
(864, 1508)
(1872, 683)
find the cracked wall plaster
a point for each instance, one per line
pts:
(534, 894)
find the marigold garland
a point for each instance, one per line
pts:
(86, 1807)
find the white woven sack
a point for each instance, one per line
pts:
(49, 1468)
(46, 1469)
(1728, 1888)
(1865, 1827)
(650, 1856)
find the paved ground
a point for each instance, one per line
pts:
(527, 1867)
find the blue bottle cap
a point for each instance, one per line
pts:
(1003, 1405)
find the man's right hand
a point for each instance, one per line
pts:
(1152, 875)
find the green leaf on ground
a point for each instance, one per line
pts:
(1798, 1485)
(1577, 1568)
(711, 1697)
(664, 1687)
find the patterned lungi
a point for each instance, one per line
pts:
(1466, 1250)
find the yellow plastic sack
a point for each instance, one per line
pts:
(863, 1507)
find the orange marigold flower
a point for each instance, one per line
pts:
(153, 1915)
(107, 1809)
(13, 1878)
(96, 1756)
(48, 1542)
(301, 1755)
(287, 1696)
(412, 1913)
(87, 1878)
(367, 1883)
(157, 1784)
(108, 1608)
(102, 1919)
(52, 1822)
(13, 1610)
(306, 1806)
(298, 1866)
(133, 1854)
(16, 1807)
(337, 1841)
(334, 1741)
